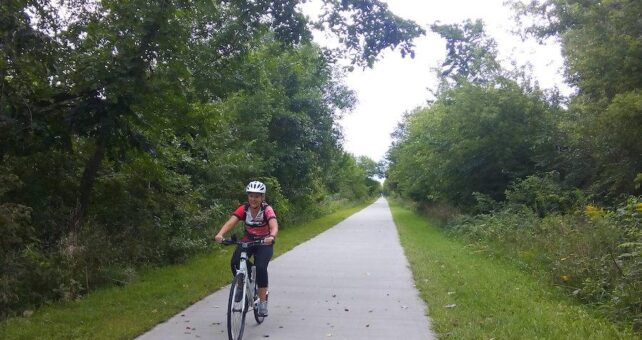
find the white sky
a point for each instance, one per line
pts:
(395, 85)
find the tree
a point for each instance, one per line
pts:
(369, 166)
(600, 42)
(471, 54)
(366, 28)
(482, 132)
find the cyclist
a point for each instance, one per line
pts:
(260, 222)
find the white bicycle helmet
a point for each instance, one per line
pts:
(255, 186)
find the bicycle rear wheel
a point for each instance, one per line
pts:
(236, 310)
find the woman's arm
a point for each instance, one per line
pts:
(274, 229)
(225, 228)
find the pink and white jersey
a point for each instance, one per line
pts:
(255, 226)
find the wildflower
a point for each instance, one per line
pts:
(638, 207)
(565, 278)
(593, 211)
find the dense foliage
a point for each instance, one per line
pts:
(553, 182)
(128, 129)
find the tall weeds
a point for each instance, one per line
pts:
(593, 253)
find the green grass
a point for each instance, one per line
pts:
(158, 293)
(472, 296)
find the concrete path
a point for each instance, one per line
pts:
(351, 282)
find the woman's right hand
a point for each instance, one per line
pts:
(218, 238)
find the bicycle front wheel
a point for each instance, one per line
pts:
(236, 310)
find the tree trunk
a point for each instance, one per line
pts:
(87, 183)
(92, 166)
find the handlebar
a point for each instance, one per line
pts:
(242, 243)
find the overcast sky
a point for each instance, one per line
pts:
(395, 85)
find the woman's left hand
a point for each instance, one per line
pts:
(269, 240)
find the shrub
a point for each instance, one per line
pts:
(544, 194)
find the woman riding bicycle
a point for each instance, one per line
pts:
(260, 223)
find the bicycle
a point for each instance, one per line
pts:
(236, 310)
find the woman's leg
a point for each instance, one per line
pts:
(262, 256)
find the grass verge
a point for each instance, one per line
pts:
(158, 293)
(472, 296)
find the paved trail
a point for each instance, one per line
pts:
(351, 282)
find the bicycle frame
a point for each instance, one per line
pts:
(248, 287)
